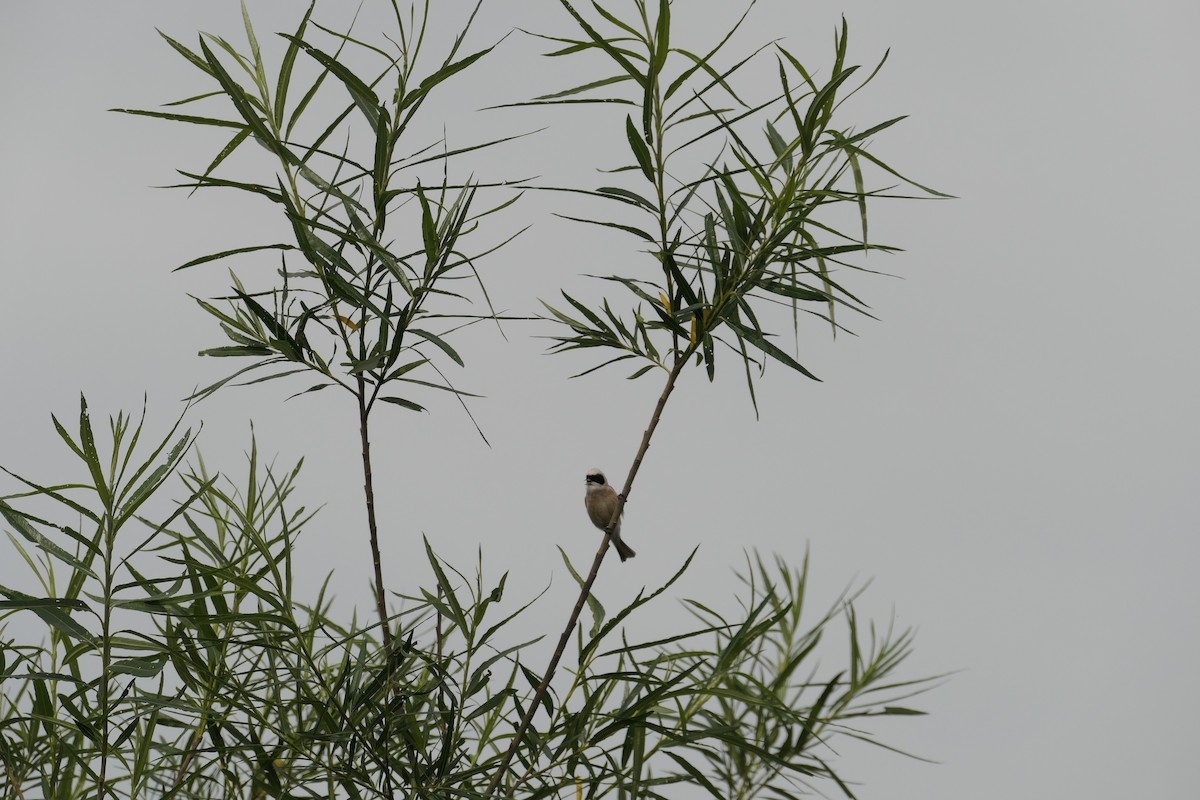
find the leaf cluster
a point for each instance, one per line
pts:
(752, 225)
(367, 284)
(183, 659)
(734, 706)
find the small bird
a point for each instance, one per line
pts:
(601, 502)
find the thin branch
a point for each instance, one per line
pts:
(586, 590)
(369, 490)
(12, 779)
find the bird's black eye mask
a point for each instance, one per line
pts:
(596, 479)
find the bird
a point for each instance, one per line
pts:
(601, 502)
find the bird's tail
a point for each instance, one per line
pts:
(623, 550)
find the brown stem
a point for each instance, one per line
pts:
(380, 596)
(16, 787)
(680, 363)
(369, 489)
(586, 590)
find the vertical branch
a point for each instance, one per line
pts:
(380, 595)
(369, 490)
(106, 654)
(12, 779)
(585, 591)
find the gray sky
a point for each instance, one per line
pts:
(1011, 453)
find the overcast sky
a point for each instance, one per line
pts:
(1011, 453)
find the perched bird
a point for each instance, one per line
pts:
(601, 502)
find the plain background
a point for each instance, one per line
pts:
(1010, 454)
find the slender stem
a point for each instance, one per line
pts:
(680, 362)
(364, 413)
(16, 787)
(660, 179)
(585, 591)
(106, 655)
(369, 489)
(440, 632)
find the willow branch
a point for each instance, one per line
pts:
(586, 590)
(369, 490)
(12, 779)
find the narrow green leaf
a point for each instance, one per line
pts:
(260, 75)
(861, 198)
(605, 45)
(703, 62)
(234, 252)
(418, 382)
(869, 132)
(284, 81)
(242, 103)
(196, 60)
(87, 441)
(449, 70)
(66, 437)
(54, 612)
(428, 229)
(640, 151)
(779, 147)
(228, 149)
(583, 88)
(627, 196)
(810, 730)
(821, 106)
(758, 340)
(382, 166)
(189, 118)
(662, 35)
(405, 368)
(616, 101)
(155, 478)
(708, 352)
(547, 701)
(797, 291)
(841, 784)
(594, 604)
(27, 603)
(209, 180)
(491, 703)
(440, 343)
(864, 154)
(695, 774)
(362, 94)
(448, 593)
(641, 234)
(146, 667)
(234, 351)
(399, 401)
(617, 21)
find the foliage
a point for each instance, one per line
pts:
(756, 226)
(178, 661)
(357, 308)
(178, 656)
